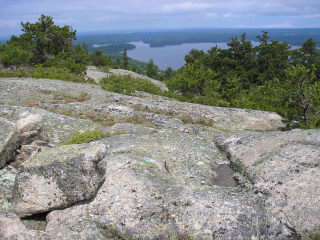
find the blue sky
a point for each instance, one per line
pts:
(110, 15)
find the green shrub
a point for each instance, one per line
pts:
(126, 84)
(14, 56)
(64, 61)
(56, 73)
(91, 135)
(15, 73)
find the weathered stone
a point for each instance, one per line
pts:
(7, 178)
(94, 73)
(9, 141)
(285, 168)
(58, 128)
(57, 178)
(11, 228)
(29, 126)
(162, 112)
(161, 185)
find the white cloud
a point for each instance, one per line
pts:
(230, 15)
(184, 6)
(211, 15)
(133, 14)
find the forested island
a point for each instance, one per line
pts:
(270, 76)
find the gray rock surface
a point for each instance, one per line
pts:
(170, 177)
(26, 130)
(57, 178)
(9, 141)
(11, 228)
(67, 98)
(59, 128)
(284, 167)
(161, 185)
(96, 74)
(7, 178)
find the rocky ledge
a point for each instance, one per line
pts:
(180, 171)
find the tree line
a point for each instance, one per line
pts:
(270, 76)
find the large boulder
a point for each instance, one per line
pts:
(57, 178)
(284, 168)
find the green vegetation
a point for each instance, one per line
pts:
(91, 135)
(127, 85)
(125, 60)
(269, 77)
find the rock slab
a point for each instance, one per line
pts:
(284, 167)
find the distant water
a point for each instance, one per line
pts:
(168, 56)
(171, 56)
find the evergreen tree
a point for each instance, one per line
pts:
(44, 39)
(98, 59)
(297, 95)
(125, 60)
(152, 69)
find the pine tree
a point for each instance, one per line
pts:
(125, 60)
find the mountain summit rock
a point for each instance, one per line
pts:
(178, 171)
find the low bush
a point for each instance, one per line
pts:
(126, 84)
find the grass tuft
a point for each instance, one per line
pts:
(91, 135)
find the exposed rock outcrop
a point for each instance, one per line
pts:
(285, 168)
(162, 185)
(182, 171)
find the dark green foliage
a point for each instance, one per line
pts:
(11, 55)
(97, 58)
(44, 39)
(297, 96)
(127, 85)
(195, 79)
(45, 43)
(269, 77)
(152, 69)
(125, 60)
(80, 54)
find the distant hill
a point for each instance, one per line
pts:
(175, 37)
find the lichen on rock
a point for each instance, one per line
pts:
(57, 178)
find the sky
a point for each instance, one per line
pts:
(126, 15)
